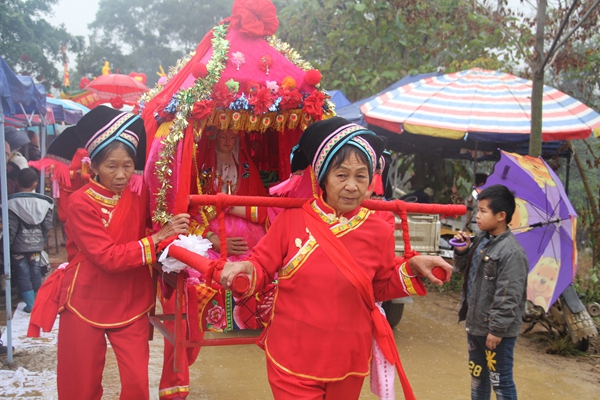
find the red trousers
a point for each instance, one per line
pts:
(82, 353)
(289, 387)
(175, 384)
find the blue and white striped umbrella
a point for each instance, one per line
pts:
(485, 105)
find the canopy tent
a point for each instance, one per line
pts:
(19, 94)
(352, 111)
(480, 104)
(338, 98)
(66, 111)
(466, 149)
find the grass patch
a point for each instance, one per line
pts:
(560, 346)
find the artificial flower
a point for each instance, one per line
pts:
(288, 83)
(313, 104)
(273, 86)
(261, 101)
(203, 109)
(254, 17)
(290, 99)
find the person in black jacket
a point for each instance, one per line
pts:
(494, 267)
(30, 220)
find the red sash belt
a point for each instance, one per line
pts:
(45, 307)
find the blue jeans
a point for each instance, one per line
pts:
(491, 368)
(26, 267)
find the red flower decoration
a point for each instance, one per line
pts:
(222, 95)
(203, 109)
(265, 63)
(199, 70)
(313, 105)
(254, 17)
(290, 99)
(252, 87)
(313, 77)
(261, 101)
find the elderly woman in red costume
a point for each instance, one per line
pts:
(333, 260)
(106, 289)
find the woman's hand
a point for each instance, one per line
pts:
(177, 225)
(232, 269)
(425, 264)
(235, 245)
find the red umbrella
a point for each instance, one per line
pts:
(117, 85)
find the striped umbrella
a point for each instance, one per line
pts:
(485, 105)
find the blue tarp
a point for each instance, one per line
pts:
(8, 80)
(36, 103)
(21, 90)
(338, 98)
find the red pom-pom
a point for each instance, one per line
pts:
(313, 77)
(199, 70)
(439, 273)
(117, 103)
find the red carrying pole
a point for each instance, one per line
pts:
(222, 200)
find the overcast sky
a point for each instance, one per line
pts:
(75, 14)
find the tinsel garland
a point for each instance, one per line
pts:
(186, 98)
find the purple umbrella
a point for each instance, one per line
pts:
(544, 223)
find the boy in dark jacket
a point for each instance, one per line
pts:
(493, 296)
(30, 220)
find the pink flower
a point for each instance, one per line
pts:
(216, 317)
(238, 59)
(273, 86)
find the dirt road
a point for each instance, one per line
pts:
(431, 344)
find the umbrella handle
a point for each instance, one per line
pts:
(458, 243)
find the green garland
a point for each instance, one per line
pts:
(187, 98)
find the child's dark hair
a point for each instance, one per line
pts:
(27, 177)
(501, 199)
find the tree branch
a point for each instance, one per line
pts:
(563, 24)
(509, 34)
(568, 35)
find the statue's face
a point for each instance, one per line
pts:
(225, 141)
